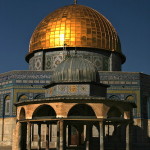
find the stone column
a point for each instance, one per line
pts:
(64, 135)
(128, 137)
(61, 135)
(47, 137)
(58, 135)
(28, 136)
(101, 134)
(108, 128)
(69, 134)
(39, 136)
(32, 132)
(87, 137)
(18, 139)
(50, 132)
(67, 144)
(84, 132)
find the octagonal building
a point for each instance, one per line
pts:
(74, 95)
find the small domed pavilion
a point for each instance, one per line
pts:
(75, 109)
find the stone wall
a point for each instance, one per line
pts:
(7, 126)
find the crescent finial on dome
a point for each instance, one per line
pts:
(75, 1)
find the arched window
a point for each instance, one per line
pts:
(39, 96)
(7, 105)
(1, 103)
(22, 98)
(148, 107)
(114, 113)
(130, 98)
(114, 97)
(22, 114)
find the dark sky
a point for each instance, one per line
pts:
(131, 19)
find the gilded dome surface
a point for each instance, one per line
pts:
(75, 69)
(75, 26)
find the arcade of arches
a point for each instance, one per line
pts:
(65, 126)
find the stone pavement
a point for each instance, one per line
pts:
(5, 148)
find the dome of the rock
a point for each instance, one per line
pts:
(75, 26)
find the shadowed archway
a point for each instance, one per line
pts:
(44, 111)
(22, 115)
(114, 112)
(23, 97)
(80, 131)
(81, 110)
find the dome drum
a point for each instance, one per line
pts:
(75, 89)
(50, 58)
(75, 76)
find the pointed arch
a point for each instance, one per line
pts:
(81, 110)
(130, 98)
(114, 112)
(22, 97)
(115, 97)
(7, 97)
(39, 96)
(44, 111)
(22, 114)
(7, 105)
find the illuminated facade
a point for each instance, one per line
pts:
(81, 31)
(75, 26)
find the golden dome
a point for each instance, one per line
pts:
(75, 26)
